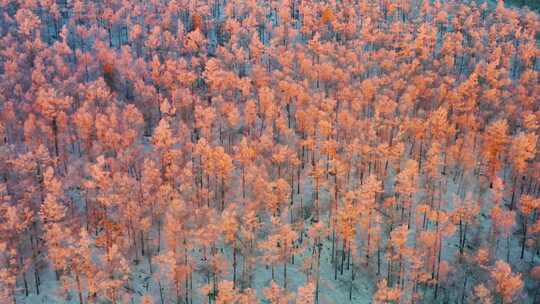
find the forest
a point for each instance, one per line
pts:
(281, 151)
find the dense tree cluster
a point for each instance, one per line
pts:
(286, 151)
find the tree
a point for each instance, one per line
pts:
(384, 294)
(464, 215)
(306, 294)
(346, 227)
(522, 149)
(245, 154)
(406, 185)
(112, 274)
(52, 107)
(28, 21)
(227, 293)
(230, 230)
(481, 294)
(52, 213)
(528, 204)
(163, 137)
(175, 263)
(398, 250)
(502, 223)
(8, 275)
(495, 139)
(279, 247)
(507, 284)
(195, 41)
(276, 294)
(223, 168)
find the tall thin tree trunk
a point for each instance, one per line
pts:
(317, 287)
(79, 288)
(524, 240)
(55, 131)
(234, 266)
(285, 275)
(351, 282)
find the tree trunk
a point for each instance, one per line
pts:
(378, 260)
(79, 288)
(160, 291)
(23, 273)
(508, 248)
(234, 266)
(285, 275)
(464, 289)
(141, 235)
(243, 183)
(34, 263)
(438, 268)
(55, 131)
(524, 236)
(351, 283)
(317, 288)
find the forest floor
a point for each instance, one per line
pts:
(331, 290)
